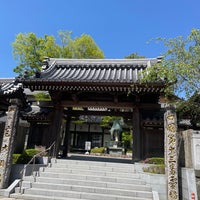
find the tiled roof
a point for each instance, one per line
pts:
(63, 73)
(36, 113)
(95, 70)
(9, 86)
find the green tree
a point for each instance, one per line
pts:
(42, 96)
(180, 69)
(30, 50)
(85, 47)
(134, 56)
(126, 139)
(190, 109)
(107, 121)
(180, 65)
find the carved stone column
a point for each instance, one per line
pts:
(171, 157)
(136, 135)
(7, 146)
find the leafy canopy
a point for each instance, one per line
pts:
(180, 65)
(134, 56)
(190, 109)
(30, 50)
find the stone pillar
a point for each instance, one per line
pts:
(171, 157)
(7, 146)
(136, 156)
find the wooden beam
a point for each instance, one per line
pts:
(109, 104)
(98, 113)
(98, 104)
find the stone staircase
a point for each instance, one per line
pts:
(66, 179)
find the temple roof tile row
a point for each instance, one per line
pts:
(94, 70)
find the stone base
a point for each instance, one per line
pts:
(115, 151)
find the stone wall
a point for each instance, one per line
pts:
(156, 181)
(192, 148)
(188, 183)
(190, 174)
(197, 173)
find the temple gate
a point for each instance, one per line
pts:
(109, 84)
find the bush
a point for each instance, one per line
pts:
(129, 151)
(155, 160)
(31, 152)
(15, 158)
(126, 139)
(25, 157)
(98, 150)
(156, 169)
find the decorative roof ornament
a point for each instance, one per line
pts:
(45, 63)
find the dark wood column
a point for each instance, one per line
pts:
(67, 138)
(55, 130)
(136, 135)
(31, 135)
(8, 143)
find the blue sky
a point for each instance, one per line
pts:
(119, 27)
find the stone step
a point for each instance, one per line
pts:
(85, 161)
(98, 177)
(93, 163)
(130, 169)
(107, 189)
(85, 180)
(39, 197)
(112, 168)
(71, 170)
(87, 195)
(138, 184)
(96, 159)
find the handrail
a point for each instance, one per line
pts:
(33, 160)
(36, 156)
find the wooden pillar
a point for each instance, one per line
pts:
(55, 134)
(171, 157)
(67, 138)
(31, 135)
(7, 146)
(136, 156)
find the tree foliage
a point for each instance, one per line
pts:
(180, 69)
(107, 121)
(180, 65)
(85, 47)
(30, 50)
(126, 139)
(134, 56)
(190, 109)
(42, 96)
